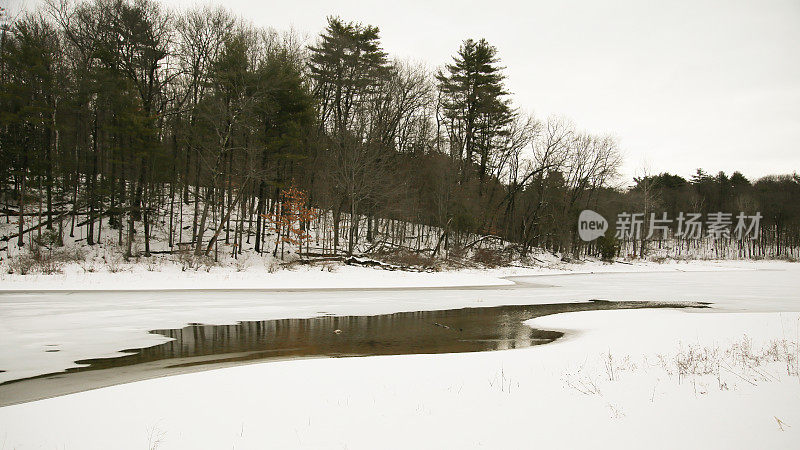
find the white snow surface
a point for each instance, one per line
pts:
(612, 382)
(103, 269)
(101, 323)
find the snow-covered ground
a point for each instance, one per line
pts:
(253, 273)
(722, 378)
(100, 323)
(559, 396)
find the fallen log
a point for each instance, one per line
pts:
(353, 261)
(35, 227)
(481, 239)
(13, 213)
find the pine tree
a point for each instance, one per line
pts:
(284, 116)
(27, 93)
(346, 66)
(474, 102)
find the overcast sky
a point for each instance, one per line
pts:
(682, 84)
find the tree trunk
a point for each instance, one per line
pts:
(198, 245)
(259, 217)
(92, 184)
(21, 204)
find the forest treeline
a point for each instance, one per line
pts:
(119, 112)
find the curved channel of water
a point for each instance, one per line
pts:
(199, 347)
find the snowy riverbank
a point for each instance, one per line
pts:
(168, 275)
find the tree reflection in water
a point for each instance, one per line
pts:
(444, 331)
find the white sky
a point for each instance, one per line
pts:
(682, 84)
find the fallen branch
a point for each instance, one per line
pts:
(13, 213)
(35, 227)
(353, 261)
(481, 239)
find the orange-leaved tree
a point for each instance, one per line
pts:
(291, 219)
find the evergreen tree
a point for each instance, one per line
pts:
(474, 102)
(346, 66)
(28, 93)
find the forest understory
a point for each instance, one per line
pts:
(58, 242)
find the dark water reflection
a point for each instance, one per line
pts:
(445, 331)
